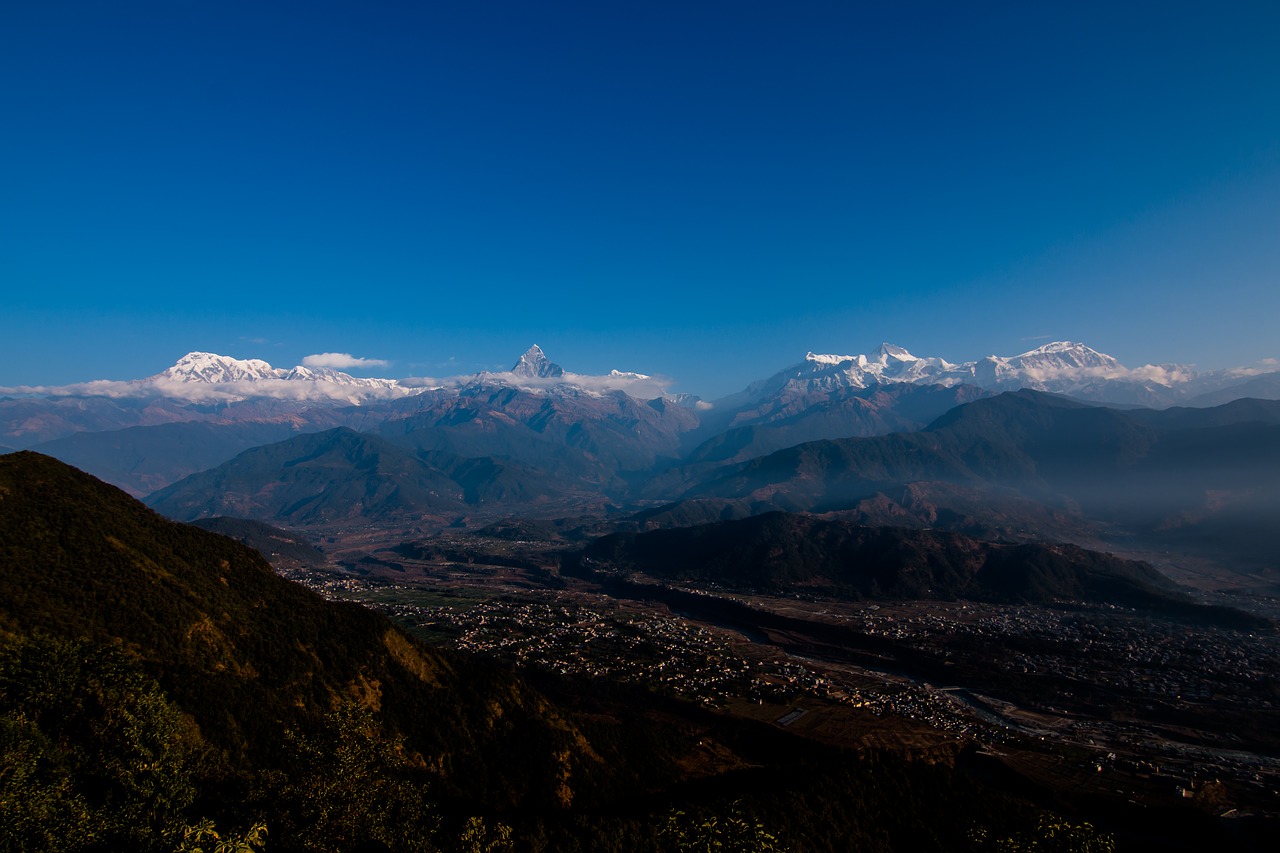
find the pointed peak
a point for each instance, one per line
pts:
(535, 363)
(887, 350)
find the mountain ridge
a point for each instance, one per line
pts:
(1148, 474)
(1059, 367)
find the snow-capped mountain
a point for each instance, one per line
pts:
(603, 428)
(205, 377)
(260, 391)
(533, 372)
(820, 373)
(534, 363)
(209, 376)
(1062, 367)
(213, 368)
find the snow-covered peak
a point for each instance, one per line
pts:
(625, 374)
(896, 353)
(1061, 366)
(336, 377)
(534, 363)
(206, 375)
(213, 368)
(536, 374)
(1065, 354)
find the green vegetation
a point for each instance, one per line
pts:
(94, 754)
(715, 831)
(205, 838)
(1051, 834)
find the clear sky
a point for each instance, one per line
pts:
(701, 190)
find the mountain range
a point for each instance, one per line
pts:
(1027, 466)
(1061, 367)
(982, 448)
(537, 404)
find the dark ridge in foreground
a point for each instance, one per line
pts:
(247, 653)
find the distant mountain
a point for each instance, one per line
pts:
(619, 436)
(1061, 367)
(534, 363)
(319, 477)
(795, 415)
(1265, 386)
(820, 373)
(1233, 411)
(597, 438)
(147, 434)
(1146, 474)
(30, 420)
(211, 388)
(341, 475)
(214, 369)
(200, 375)
(143, 459)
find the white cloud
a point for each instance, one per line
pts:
(94, 388)
(429, 382)
(342, 361)
(1163, 374)
(212, 392)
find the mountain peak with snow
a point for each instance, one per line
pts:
(887, 351)
(827, 358)
(535, 364)
(1063, 367)
(209, 367)
(207, 375)
(1067, 354)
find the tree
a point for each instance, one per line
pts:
(92, 753)
(352, 786)
(1053, 834)
(731, 831)
(205, 838)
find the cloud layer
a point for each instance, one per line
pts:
(342, 361)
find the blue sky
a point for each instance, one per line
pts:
(701, 190)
